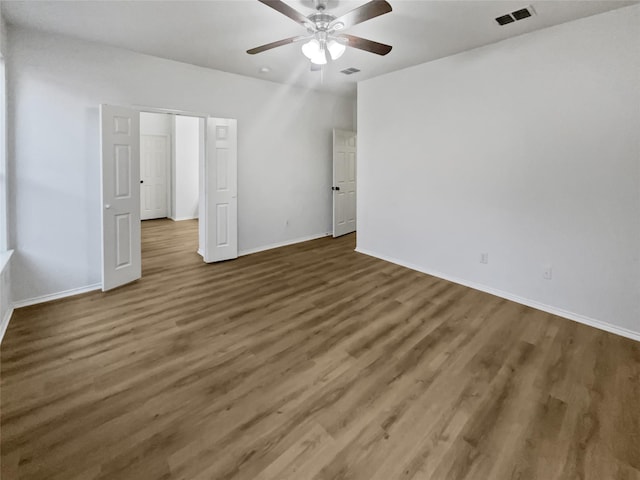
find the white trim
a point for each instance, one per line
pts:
(282, 244)
(576, 317)
(169, 111)
(183, 218)
(5, 323)
(4, 259)
(56, 296)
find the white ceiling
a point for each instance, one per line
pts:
(216, 34)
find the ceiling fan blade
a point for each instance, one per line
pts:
(363, 13)
(367, 45)
(279, 43)
(285, 9)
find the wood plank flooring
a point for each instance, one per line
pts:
(309, 362)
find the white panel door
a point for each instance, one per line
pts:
(120, 156)
(154, 166)
(220, 191)
(344, 182)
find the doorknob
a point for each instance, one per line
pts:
(107, 206)
(141, 181)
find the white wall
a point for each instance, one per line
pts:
(3, 137)
(5, 256)
(56, 85)
(156, 124)
(187, 158)
(3, 35)
(526, 149)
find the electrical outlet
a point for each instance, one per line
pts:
(547, 274)
(484, 258)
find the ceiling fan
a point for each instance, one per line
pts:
(323, 30)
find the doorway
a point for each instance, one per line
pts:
(213, 198)
(171, 150)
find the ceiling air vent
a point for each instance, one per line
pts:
(521, 14)
(504, 19)
(517, 15)
(349, 71)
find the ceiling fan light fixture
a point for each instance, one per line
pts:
(311, 49)
(336, 49)
(315, 51)
(320, 58)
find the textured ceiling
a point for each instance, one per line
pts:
(216, 34)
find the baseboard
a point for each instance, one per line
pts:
(180, 219)
(5, 322)
(576, 317)
(282, 244)
(56, 296)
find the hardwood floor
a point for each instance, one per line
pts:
(309, 362)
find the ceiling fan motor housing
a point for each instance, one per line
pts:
(321, 20)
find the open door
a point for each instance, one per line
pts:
(120, 156)
(344, 182)
(219, 215)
